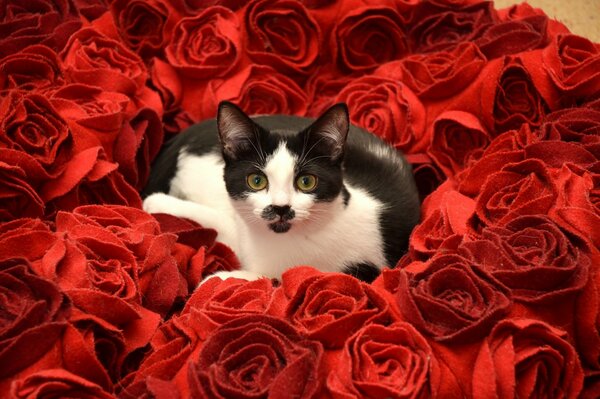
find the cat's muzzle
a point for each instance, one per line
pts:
(280, 217)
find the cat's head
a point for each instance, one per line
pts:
(283, 181)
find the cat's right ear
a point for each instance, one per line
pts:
(236, 130)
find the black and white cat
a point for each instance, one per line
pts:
(285, 190)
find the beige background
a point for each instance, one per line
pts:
(582, 17)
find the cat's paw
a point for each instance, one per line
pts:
(158, 203)
(241, 274)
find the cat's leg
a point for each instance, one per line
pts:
(206, 216)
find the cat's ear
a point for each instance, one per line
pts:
(330, 130)
(236, 129)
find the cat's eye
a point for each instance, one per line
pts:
(256, 181)
(306, 183)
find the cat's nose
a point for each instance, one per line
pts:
(281, 210)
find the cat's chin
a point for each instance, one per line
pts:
(280, 226)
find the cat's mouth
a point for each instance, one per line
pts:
(280, 226)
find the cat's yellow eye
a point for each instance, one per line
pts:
(306, 183)
(256, 181)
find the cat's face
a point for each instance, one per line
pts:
(283, 182)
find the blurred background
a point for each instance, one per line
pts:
(582, 17)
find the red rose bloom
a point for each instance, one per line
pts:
(387, 108)
(46, 22)
(573, 63)
(458, 140)
(385, 362)
(367, 37)
(526, 359)
(256, 356)
(57, 383)
(532, 257)
(449, 298)
(37, 67)
(330, 307)
(206, 45)
(282, 34)
(440, 74)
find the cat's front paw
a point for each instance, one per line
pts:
(158, 203)
(241, 274)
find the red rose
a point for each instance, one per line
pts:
(329, 307)
(57, 383)
(387, 108)
(385, 362)
(216, 302)
(457, 141)
(448, 298)
(206, 45)
(46, 22)
(367, 37)
(88, 179)
(580, 125)
(159, 280)
(440, 74)
(97, 60)
(437, 26)
(517, 100)
(20, 175)
(33, 317)
(531, 256)
(92, 9)
(257, 356)
(257, 89)
(34, 68)
(29, 123)
(322, 88)
(526, 358)
(573, 63)
(524, 188)
(515, 36)
(427, 176)
(281, 34)
(443, 227)
(145, 26)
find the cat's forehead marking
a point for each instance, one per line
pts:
(279, 169)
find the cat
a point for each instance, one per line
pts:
(286, 190)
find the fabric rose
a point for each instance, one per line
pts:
(517, 100)
(580, 125)
(36, 67)
(257, 89)
(216, 302)
(322, 89)
(573, 63)
(526, 358)
(283, 35)
(20, 177)
(457, 141)
(367, 37)
(448, 298)
(88, 179)
(427, 176)
(387, 108)
(385, 362)
(94, 59)
(145, 26)
(531, 256)
(439, 26)
(257, 356)
(329, 307)
(32, 125)
(160, 282)
(59, 383)
(46, 22)
(515, 36)
(439, 74)
(524, 188)
(443, 228)
(206, 45)
(34, 313)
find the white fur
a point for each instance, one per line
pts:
(325, 235)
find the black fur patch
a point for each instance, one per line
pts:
(363, 271)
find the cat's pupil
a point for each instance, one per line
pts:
(305, 181)
(257, 180)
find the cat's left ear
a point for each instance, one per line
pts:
(236, 130)
(330, 130)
